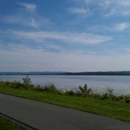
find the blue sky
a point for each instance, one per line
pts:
(64, 35)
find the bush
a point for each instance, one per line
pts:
(50, 88)
(96, 95)
(70, 92)
(38, 88)
(121, 98)
(127, 98)
(113, 97)
(105, 96)
(78, 93)
(16, 84)
(85, 91)
(27, 83)
(108, 94)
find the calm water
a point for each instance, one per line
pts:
(120, 84)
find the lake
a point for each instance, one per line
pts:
(99, 84)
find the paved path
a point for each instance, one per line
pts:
(44, 116)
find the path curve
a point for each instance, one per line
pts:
(43, 116)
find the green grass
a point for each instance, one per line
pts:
(8, 125)
(109, 108)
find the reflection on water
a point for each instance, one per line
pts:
(120, 84)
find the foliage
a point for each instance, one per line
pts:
(85, 91)
(14, 84)
(47, 88)
(27, 83)
(69, 92)
(127, 98)
(96, 95)
(110, 95)
(50, 88)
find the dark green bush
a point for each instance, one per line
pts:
(78, 93)
(38, 88)
(85, 91)
(50, 88)
(121, 97)
(71, 92)
(96, 95)
(27, 83)
(105, 96)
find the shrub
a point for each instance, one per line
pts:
(108, 94)
(121, 98)
(96, 95)
(38, 88)
(105, 96)
(113, 97)
(50, 88)
(16, 84)
(127, 98)
(85, 91)
(71, 92)
(78, 93)
(27, 83)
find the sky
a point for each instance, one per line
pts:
(64, 35)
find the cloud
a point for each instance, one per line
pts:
(117, 12)
(126, 12)
(122, 26)
(65, 37)
(78, 10)
(123, 2)
(29, 7)
(116, 7)
(22, 58)
(106, 7)
(66, 66)
(117, 2)
(26, 17)
(23, 20)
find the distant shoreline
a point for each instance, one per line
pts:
(99, 73)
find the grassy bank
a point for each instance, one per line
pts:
(109, 108)
(8, 125)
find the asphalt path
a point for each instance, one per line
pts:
(43, 116)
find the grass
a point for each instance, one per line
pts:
(108, 108)
(8, 125)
